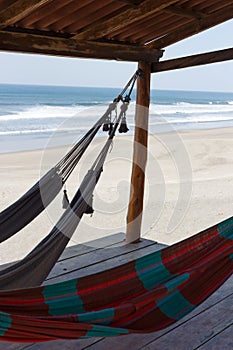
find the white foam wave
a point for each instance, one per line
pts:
(41, 119)
(40, 131)
(183, 104)
(189, 108)
(189, 120)
(48, 112)
(44, 112)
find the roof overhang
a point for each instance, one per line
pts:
(128, 30)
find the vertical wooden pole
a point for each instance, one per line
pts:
(135, 209)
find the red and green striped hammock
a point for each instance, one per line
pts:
(145, 295)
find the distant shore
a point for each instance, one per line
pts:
(195, 166)
(39, 142)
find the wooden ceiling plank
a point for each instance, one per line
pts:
(133, 3)
(18, 10)
(37, 44)
(162, 30)
(193, 4)
(60, 13)
(194, 28)
(196, 5)
(76, 16)
(38, 15)
(99, 13)
(184, 12)
(217, 6)
(147, 27)
(124, 32)
(194, 60)
(102, 29)
(5, 3)
(212, 5)
(155, 23)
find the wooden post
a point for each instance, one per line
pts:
(135, 209)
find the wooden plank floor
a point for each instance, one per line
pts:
(208, 327)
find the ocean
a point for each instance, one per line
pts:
(33, 116)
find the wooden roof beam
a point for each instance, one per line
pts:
(103, 28)
(209, 21)
(18, 10)
(37, 44)
(194, 60)
(178, 10)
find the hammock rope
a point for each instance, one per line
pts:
(37, 198)
(34, 268)
(144, 295)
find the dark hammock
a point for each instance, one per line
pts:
(36, 199)
(33, 269)
(145, 295)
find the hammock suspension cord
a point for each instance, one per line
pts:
(108, 125)
(37, 198)
(34, 268)
(64, 165)
(144, 295)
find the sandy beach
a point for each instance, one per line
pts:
(189, 182)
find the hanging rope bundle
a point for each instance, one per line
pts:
(108, 125)
(140, 296)
(34, 268)
(39, 196)
(123, 127)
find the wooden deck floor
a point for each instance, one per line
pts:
(208, 327)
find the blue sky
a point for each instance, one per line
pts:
(45, 70)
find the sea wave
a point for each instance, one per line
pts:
(43, 131)
(190, 108)
(204, 119)
(43, 119)
(62, 112)
(45, 112)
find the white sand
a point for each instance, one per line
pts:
(193, 167)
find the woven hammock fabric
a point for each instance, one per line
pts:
(36, 199)
(32, 270)
(145, 295)
(39, 196)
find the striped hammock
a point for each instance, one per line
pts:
(145, 295)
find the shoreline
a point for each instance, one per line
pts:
(75, 138)
(193, 166)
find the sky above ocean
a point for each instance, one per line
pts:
(49, 70)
